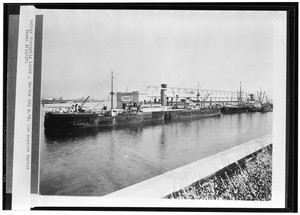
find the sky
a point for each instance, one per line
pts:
(144, 48)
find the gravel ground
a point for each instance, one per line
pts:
(248, 179)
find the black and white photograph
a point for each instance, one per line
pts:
(177, 106)
(130, 95)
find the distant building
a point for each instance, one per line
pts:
(124, 98)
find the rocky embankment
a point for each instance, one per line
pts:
(248, 179)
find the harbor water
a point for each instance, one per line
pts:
(96, 162)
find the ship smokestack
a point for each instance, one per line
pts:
(163, 97)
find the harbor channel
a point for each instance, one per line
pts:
(97, 162)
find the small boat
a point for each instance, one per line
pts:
(266, 109)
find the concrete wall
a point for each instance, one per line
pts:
(169, 182)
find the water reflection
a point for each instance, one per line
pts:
(50, 137)
(99, 161)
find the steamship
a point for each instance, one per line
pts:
(130, 113)
(241, 107)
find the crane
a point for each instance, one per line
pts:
(84, 101)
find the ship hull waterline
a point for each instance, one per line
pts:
(232, 110)
(68, 122)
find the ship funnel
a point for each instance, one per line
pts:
(163, 97)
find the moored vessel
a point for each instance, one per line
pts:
(78, 117)
(234, 109)
(241, 106)
(74, 120)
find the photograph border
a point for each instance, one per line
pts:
(291, 91)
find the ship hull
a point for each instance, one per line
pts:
(72, 121)
(253, 110)
(191, 114)
(64, 121)
(231, 110)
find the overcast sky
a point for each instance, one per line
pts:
(179, 48)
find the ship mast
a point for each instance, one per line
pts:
(112, 91)
(240, 96)
(198, 93)
(260, 96)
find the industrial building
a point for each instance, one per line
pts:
(169, 95)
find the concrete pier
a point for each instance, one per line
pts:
(177, 179)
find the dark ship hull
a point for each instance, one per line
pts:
(231, 110)
(60, 122)
(254, 109)
(66, 121)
